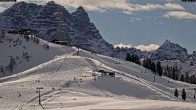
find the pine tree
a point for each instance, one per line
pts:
(167, 68)
(187, 78)
(2, 69)
(153, 67)
(128, 57)
(11, 65)
(145, 63)
(193, 79)
(154, 77)
(133, 58)
(183, 94)
(170, 72)
(182, 77)
(176, 93)
(176, 76)
(173, 73)
(137, 60)
(3, 34)
(159, 68)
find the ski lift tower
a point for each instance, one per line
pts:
(39, 94)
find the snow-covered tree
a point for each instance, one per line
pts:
(147, 63)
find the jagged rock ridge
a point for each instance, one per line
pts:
(53, 21)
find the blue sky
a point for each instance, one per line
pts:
(138, 22)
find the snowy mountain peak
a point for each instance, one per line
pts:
(170, 51)
(169, 45)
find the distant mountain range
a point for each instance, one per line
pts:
(167, 51)
(54, 22)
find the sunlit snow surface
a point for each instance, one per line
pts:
(74, 87)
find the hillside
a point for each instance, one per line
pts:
(69, 80)
(26, 52)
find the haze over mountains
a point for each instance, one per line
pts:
(148, 48)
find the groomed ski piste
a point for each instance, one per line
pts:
(73, 81)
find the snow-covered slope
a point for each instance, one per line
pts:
(26, 53)
(72, 81)
(71, 100)
(68, 81)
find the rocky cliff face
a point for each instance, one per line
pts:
(52, 21)
(87, 35)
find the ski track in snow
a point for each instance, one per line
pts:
(132, 85)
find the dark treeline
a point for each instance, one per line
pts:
(172, 72)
